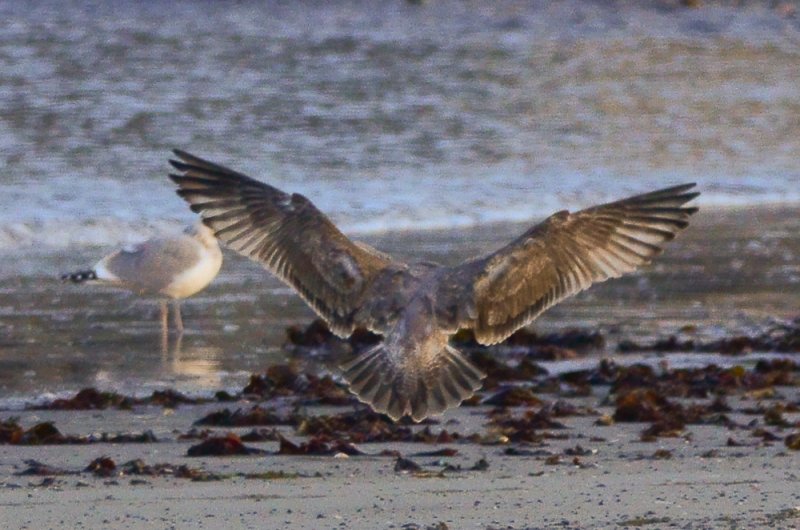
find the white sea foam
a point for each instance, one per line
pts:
(115, 215)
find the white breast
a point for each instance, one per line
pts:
(196, 277)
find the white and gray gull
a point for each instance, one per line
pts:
(170, 267)
(417, 307)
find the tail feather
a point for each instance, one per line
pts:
(418, 390)
(79, 276)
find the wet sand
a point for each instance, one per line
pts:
(732, 271)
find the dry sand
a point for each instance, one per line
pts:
(620, 482)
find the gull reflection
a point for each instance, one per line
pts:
(198, 363)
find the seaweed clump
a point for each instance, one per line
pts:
(286, 380)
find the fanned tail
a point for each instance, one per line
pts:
(415, 389)
(79, 276)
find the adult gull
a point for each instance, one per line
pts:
(170, 267)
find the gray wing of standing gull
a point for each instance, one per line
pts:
(560, 257)
(286, 233)
(153, 265)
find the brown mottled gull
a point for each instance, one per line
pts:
(417, 307)
(173, 267)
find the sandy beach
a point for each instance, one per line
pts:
(569, 455)
(736, 471)
(586, 476)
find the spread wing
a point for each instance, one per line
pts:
(286, 233)
(561, 256)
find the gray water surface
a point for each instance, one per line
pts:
(388, 115)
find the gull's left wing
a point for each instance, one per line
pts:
(560, 257)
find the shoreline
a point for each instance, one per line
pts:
(728, 274)
(167, 225)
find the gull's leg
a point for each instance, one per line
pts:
(176, 349)
(164, 327)
(176, 305)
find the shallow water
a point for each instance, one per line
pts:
(398, 120)
(724, 276)
(387, 114)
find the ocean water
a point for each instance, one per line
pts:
(428, 130)
(388, 115)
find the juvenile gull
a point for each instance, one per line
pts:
(417, 307)
(169, 267)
